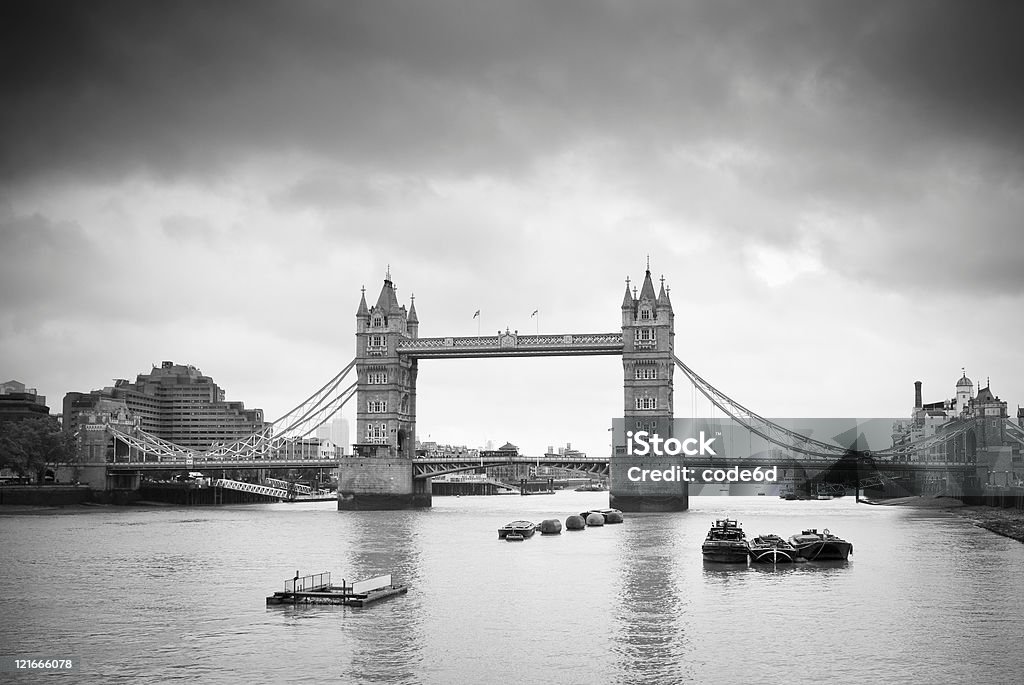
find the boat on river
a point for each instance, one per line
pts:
(726, 543)
(823, 546)
(771, 549)
(517, 530)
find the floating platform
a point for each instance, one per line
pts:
(317, 589)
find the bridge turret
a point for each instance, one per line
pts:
(664, 303)
(964, 394)
(413, 322)
(363, 313)
(628, 306)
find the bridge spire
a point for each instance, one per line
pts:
(647, 291)
(627, 299)
(663, 299)
(363, 310)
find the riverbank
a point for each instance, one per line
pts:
(1007, 522)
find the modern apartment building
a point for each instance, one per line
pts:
(175, 402)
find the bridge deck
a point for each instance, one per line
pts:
(513, 345)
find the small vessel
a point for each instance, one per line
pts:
(771, 549)
(516, 530)
(591, 487)
(726, 543)
(823, 546)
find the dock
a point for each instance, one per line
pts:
(317, 589)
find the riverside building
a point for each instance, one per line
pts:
(18, 402)
(175, 402)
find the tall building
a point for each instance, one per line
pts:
(648, 332)
(18, 402)
(175, 402)
(386, 417)
(333, 436)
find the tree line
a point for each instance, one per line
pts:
(28, 447)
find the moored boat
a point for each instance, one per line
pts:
(823, 546)
(726, 543)
(771, 549)
(522, 529)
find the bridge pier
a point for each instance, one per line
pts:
(375, 483)
(634, 495)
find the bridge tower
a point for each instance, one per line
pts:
(648, 341)
(379, 473)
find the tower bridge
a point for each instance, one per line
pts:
(384, 471)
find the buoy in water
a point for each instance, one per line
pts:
(595, 519)
(575, 522)
(613, 517)
(550, 527)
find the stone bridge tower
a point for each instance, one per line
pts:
(379, 474)
(648, 341)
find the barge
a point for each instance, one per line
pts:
(317, 589)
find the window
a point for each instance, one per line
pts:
(645, 314)
(376, 406)
(646, 403)
(646, 373)
(644, 335)
(376, 341)
(378, 321)
(376, 432)
(377, 377)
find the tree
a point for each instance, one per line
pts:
(29, 446)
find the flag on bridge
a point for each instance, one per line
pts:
(477, 314)
(534, 313)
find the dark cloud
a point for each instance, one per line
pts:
(114, 87)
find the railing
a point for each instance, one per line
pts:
(251, 487)
(286, 485)
(312, 583)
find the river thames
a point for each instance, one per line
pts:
(174, 594)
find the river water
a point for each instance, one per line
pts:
(178, 594)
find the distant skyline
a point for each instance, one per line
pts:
(833, 191)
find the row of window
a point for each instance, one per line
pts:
(646, 373)
(377, 377)
(376, 406)
(376, 431)
(646, 402)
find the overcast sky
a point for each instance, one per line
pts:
(833, 190)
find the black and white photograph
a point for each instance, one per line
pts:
(539, 341)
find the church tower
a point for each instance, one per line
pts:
(386, 384)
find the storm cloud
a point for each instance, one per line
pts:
(869, 150)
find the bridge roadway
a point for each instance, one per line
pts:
(598, 466)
